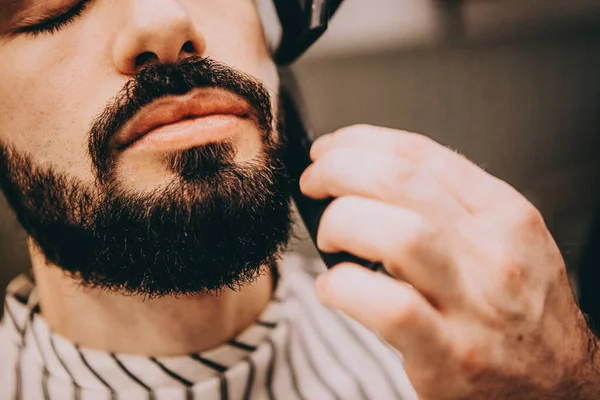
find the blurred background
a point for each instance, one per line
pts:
(513, 84)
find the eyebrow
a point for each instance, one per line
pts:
(10, 5)
(9, 9)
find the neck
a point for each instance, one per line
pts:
(133, 324)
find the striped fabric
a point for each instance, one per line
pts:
(296, 350)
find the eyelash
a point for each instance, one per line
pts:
(55, 24)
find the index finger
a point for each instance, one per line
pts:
(473, 187)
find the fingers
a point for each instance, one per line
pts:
(474, 188)
(398, 313)
(408, 246)
(383, 177)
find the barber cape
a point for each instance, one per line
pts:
(297, 349)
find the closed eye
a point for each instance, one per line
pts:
(54, 22)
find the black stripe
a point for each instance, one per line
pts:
(76, 388)
(179, 378)
(45, 376)
(382, 370)
(313, 364)
(251, 375)
(289, 362)
(211, 364)
(113, 395)
(314, 324)
(266, 324)
(271, 369)
(12, 318)
(220, 369)
(172, 374)
(223, 387)
(133, 377)
(243, 346)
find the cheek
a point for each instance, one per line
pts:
(48, 102)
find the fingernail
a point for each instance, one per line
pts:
(319, 146)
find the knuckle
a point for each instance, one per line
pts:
(400, 172)
(470, 359)
(514, 275)
(529, 217)
(403, 170)
(418, 235)
(400, 317)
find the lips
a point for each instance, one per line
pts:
(173, 110)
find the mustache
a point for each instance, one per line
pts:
(159, 80)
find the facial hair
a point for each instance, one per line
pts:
(216, 224)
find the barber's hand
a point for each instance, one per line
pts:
(482, 308)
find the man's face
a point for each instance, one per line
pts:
(138, 141)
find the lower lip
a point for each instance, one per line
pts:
(190, 133)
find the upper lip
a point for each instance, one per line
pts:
(171, 109)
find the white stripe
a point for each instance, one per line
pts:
(104, 365)
(283, 387)
(82, 375)
(42, 337)
(18, 312)
(237, 377)
(8, 372)
(389, 358)
(32, 378)
(59, 389)
(334, 373)
(147, 372)
(261, 358)
(310, 385)
(342, 344)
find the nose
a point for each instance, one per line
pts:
(155, 31)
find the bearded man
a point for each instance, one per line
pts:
(141, 149)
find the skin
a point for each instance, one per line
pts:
(53, 85)
(481, 307)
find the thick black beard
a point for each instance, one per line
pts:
(217, 224)
(194, 236)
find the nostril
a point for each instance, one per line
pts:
(188, 47)
(144, 58)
